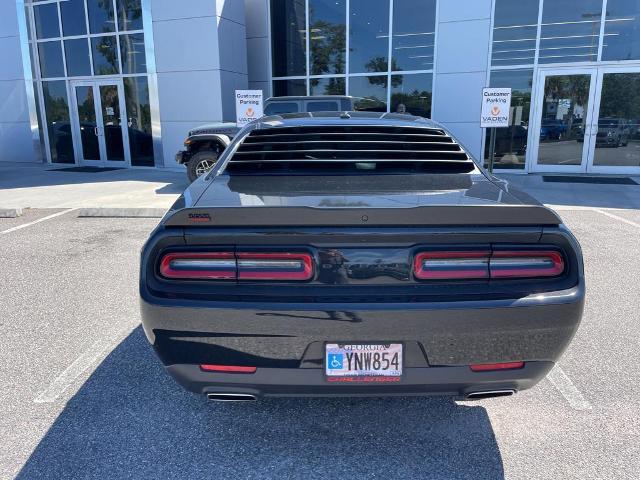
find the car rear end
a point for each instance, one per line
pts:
(357, 258)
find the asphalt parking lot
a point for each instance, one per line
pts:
(83, 396)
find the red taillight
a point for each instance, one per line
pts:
(227, 368)
(487, 367)
(455, 265)
(274, 266)
(451, 265)
(237, 266)
(195, 265)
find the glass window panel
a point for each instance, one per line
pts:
(129, 15)
(328, 36)
(414, 26)
(514, 32)
(100, 16)
(73, 17)
(327, 86)
(41, 122)
(570, 31)
(50, 55)
(105, 55)
(112, 122)
(281, 107)
(562, 127)
(46, 19)
(76, 53)
(412, 94)
(132, 53)
(619, 121)
(622, 30)
(87, 117)
(511, 142)
(323, 106)
(374, 88)
(56, 107)
(136, 95)
(283, 88)
(368, 36)
(288, 37)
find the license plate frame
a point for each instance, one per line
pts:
(346, 369)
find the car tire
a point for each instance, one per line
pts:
(200, 163)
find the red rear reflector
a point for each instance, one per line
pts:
(203, 265)
(274, 266)
(451, 265)
(486, 367)
(519, 264)
(227, 368)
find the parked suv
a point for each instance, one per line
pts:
(612, 132)
(205, 143)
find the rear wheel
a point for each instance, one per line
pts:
(201, 163)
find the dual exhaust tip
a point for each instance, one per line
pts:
(248, 397)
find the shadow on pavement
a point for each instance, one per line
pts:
(130, 420)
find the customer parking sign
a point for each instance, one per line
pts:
(248, 106)
(496, 104)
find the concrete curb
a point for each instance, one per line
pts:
(122, 212)
(10, 212)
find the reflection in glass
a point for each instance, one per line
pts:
(129, 15)
(76, 53)
(328, 36)
(618, 134)
(73, 17)
(132, 53)
(136, 95)
(288, 37)
(368, 36)
(100, 16)
(374, 87)
(56, 107)
(564, 111)
(283, 88)
(412, 94)
(281, 107)
(570, 31)
(105, 55)
(511, 142)
(327, 86)
(514, 32)
(50, 56)
(621, 31)
(87, 117)
(414, 25)
(112, 122)
(46, 19)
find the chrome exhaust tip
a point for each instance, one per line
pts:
(489, 394)
(231, 397)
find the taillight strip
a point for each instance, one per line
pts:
(199, 265)
(274, 266)
(519, 264)
(451, 265)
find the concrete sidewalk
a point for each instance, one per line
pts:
(41, 186)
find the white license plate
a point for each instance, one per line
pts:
(363, 360)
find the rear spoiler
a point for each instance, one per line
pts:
(494, 215)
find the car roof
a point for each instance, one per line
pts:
(296, 98)
(341, 118)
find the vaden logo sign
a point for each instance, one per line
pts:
(496, 103)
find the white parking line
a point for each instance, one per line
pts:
(611, 215)
(565, 386)
(72, 372)
(25, 225)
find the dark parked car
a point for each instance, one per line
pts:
(553, 129)
(357, 254)
(612, 132)
(205, 143)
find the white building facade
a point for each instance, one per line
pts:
(120, 82)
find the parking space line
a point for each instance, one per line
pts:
(565, 386)
(25, 225)
(611, 215)
(72, 372)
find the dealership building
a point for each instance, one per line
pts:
(120, 82)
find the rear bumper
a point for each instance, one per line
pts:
(307, 382)
(286, 342)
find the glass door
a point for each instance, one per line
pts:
(100, 131)
(615, 126)
(562, 134)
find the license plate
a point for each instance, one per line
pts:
(363, 361)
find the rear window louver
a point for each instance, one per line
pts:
(343, 148)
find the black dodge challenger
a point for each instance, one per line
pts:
(357, 254)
